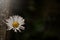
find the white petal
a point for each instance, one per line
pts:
(15, 18)
(9, 25)
(19, 30)
(14, 30)
(22, 28)
(21, 22)
(20, 18)
(9, 28)
(9, 20)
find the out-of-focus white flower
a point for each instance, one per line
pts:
(15, 23)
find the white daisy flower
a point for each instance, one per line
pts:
(15, 23)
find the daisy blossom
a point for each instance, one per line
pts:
(15, 23)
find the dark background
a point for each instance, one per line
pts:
(42, 18)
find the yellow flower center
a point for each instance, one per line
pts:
(15, 24)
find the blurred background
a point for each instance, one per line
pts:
(42, 18)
